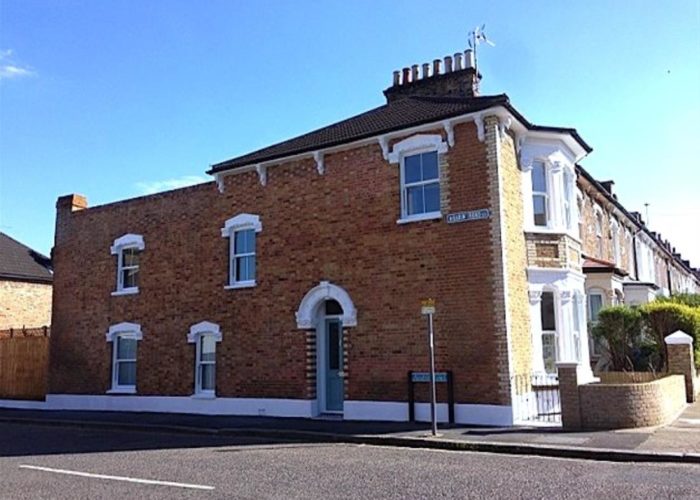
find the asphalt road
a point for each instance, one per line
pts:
(54, 462)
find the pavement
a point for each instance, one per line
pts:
(678, 442)
(69, 462)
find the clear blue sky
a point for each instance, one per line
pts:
(114, 99)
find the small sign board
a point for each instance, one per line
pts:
(440, 377)
(470, 215)
(427, 306)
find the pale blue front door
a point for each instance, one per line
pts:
(334, 365)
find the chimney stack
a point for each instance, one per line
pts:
(457, 78)
(608, 186)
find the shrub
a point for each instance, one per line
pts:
(688, 299)
(663, 318)
(620, 329)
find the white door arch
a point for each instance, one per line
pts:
(307, 314)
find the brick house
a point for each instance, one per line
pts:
(291, 285)
(25, 286)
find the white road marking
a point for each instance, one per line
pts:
(117, 478)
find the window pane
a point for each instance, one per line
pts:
(250, 264)
(414, 200)
(595, 304)
(412, 169)
(549, 352)
(245, 268)
(130, 278)
(431, 193)
(539, 206)
(207, 348)
(126, 373)
(207, 375)
(539, 181)
(333, 308)
(130, 257)
(430, 165)
(126, 348)
(245, 241)
(547, 311)
(333, 346)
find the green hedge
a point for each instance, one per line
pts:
(663, 318)
(633, 337)
(688, 299)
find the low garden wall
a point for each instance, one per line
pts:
(621, 404)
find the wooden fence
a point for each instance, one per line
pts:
(24, 363)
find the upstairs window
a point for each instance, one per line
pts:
(128, 250)
(421, 184)
(599, 235)
(617, 251)
(540, 198)
(418, 158)
(243, 256)
(241, 231)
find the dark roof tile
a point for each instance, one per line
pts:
(19, 262)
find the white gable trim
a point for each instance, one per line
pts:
(204, 328)
(127, 241)
(131, 328)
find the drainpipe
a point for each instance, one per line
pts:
(668, 278)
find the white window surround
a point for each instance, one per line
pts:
(121, 330)
(197, 331)
(127, 241)
(414, 145)
(240, 222)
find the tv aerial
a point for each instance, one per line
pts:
(477, 37)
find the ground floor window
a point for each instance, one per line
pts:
(595, 304)
(204, 336)
(124, 362)
(549, 332)
(205, 382)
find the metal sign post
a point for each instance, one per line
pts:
(428, 308)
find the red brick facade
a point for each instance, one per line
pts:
(341, 227)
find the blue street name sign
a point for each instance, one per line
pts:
(425, 377)
(470, 215)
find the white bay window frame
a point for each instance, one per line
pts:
(241, 222)
(560, 193)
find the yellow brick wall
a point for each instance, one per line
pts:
(24, 304)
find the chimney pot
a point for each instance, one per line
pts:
(406, 76)
(414, 73)
(469, 59)
(458, 61)
(426, 70)
(397, 78)
(436, 67)
(448, 64)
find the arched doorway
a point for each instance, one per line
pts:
(327, 309)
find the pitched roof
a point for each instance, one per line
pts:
(396, 115)
(19, 262)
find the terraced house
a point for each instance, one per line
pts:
(291, 284)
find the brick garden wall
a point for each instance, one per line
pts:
(340, 227)
(24, 304)
(626, 405)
